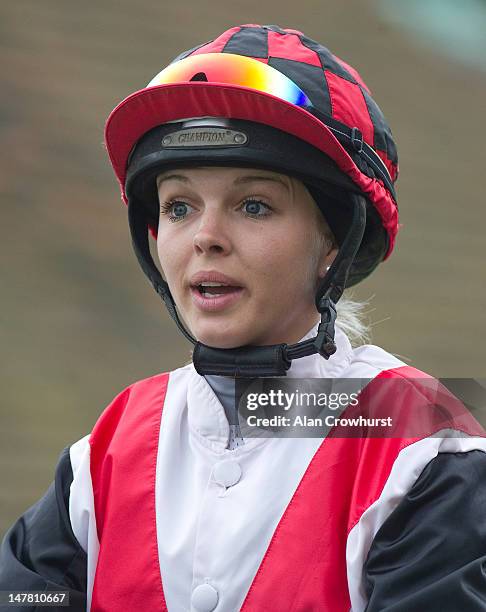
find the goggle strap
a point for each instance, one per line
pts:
(352, 140)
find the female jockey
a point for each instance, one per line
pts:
(265, 170)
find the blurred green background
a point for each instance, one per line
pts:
(79, 322)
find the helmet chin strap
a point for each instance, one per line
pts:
(259, 361)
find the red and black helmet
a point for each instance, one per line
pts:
(267, 97)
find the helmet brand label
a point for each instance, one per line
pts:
(204, 137)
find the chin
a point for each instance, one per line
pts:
(216, 336)
(217, 341)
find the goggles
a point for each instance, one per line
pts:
(231, 69)
(242, 71)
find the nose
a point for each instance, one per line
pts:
(211, 237)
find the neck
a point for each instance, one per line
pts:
(293, 336)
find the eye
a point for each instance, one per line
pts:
(177, 210)
(255, 208)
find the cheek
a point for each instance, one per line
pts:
(264, 258)
(171, 255)
(162, 251)
(284, 267)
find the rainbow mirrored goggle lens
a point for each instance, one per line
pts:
(232, 69)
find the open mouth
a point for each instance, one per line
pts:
(214, 290)
(215, 297)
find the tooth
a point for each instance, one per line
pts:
(212, 285)
(211, 295)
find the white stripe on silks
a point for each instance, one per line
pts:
(407, 468)
(81, 509)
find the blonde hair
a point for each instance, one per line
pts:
(353, 320)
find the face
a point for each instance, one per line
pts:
(242, 251)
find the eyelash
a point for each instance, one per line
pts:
(166, 207)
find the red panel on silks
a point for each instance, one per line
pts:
(124, 446)
(304, 567)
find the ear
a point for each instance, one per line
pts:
(326, 261)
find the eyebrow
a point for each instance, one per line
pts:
(250, 179)
(241, 180)
(175, 177)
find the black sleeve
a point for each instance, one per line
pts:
(40, 551)
(430, 554)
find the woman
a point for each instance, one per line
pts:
(266, 171)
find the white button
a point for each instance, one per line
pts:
(227, 473)
(204, 598)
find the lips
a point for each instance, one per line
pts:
(212, 276)
(213, 291)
